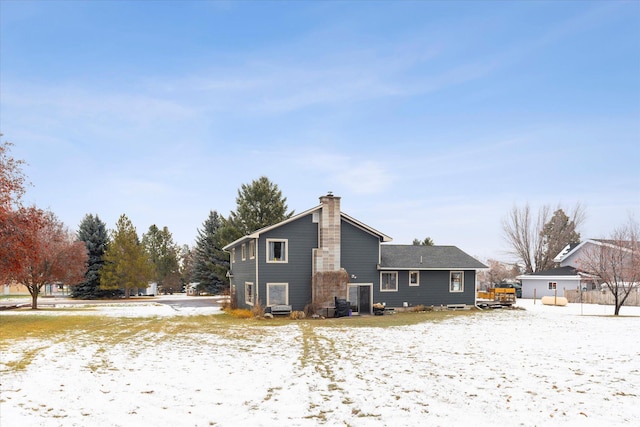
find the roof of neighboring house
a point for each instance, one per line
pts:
(257, 233)
(420, 257)
(559, 271)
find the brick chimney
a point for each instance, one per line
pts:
(330, 233)
(329, 280)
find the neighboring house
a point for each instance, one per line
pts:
(322, 254)
(565, 277)
(550, 282)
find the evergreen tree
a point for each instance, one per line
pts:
(126, 263)
(557, 233)
(163, 253)
(428, 241)
(93, 232)
(210, 263)
(259, 204)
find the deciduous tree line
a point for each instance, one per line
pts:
(36, 249)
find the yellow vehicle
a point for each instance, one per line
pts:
(496, 297)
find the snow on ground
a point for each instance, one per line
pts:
(540, 366)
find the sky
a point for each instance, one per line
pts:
(426, 118)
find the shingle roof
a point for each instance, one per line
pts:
(559, 271)
(426, 257)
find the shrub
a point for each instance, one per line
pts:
(258, 309)
(419, 308)
(297, 315)
(241, 313)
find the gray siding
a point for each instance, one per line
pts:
(302, 237)
(433, 290)
(359, 255)
(242, 271)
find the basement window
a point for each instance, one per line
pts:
(277, 294)
(248, 292)
(277, 250)
(389, 281)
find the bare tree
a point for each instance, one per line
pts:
(536, 240)
(615, 262)
(498, 272)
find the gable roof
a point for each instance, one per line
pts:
(558, 271)
(256, 234)
(576, 247)
(420, 257)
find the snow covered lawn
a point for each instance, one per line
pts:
(539, 366)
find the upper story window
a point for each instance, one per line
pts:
(457, 282)
(277, 250)
(252, 249)
(389, 281)
(233, 255)
(414, 278)
(244, 252)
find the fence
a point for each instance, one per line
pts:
(604, 297)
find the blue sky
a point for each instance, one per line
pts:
(427, 118)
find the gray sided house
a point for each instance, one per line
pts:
(322, 254)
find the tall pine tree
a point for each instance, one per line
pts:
(93, 232)
(126, 263)
(259, 205)
(211, 263)
(163, 253)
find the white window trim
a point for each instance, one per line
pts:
(451, 273)
(233, 255)
(278, 284)
(244, 252)
(418, 281)
(252, 249)
(286, 251)
(245, 293)
(389, 272)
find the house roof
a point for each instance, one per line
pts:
(575, 247)
(559, 271)
(420, 257)
(257, 233)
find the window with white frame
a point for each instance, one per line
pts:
(244, 252)
(389, 281)
(277, 294)
(414, 278)
(248, 292)
(252, 249)
(233, 255)
(553, 286)
(456, 283)
(277, 250)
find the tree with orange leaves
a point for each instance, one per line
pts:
(35, 247)
(56, 257)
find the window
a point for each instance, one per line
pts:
(414, 278)
(553, 286)
(277, 294)
(252, 249)
(233, 255)
(389, 281)
(277, 250)
(244, 252)
(248, 293)
(457, 282)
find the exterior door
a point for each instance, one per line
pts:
(360, 298)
